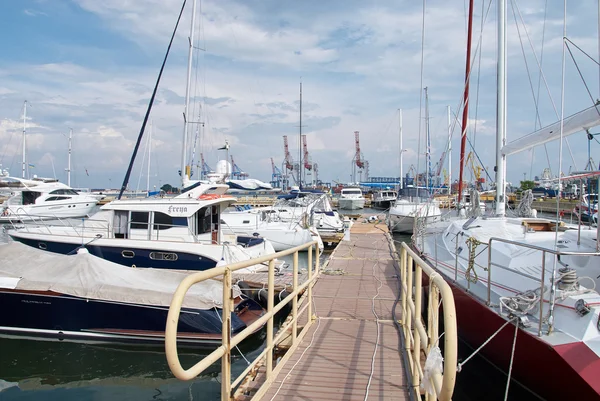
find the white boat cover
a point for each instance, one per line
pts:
(88, 276)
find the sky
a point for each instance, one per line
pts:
(91, 66)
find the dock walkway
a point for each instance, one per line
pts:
(352, 351)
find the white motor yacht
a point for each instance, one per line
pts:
(351, 199)
(48, 200)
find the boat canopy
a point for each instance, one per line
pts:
(87, 276)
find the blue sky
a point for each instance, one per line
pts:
(91, 65)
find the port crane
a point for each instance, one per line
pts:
(236, 172)
(288, 160)
(204, 167)
(358, 160)
(476, 171)
(277, 177)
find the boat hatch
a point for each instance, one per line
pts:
(543, 225)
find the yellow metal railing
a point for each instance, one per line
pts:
(223, 352)
(421, 337)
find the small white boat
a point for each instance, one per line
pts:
(384, 199)
(282, 234)
(412, 204)
(351, 199)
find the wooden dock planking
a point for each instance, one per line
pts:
(334, 359)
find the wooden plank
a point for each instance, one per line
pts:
(349, 350)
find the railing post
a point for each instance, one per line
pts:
(416, 334)
(295, 299)
(270, 300)
(408, 323)
(403, 256)
(226, 336)
(489, 286)
(542, 293)
(310, 267)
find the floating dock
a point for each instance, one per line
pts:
(352, 350)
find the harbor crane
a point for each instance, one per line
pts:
(277, 177)
(236, 172)
(204, 167)
(288, 160)
(358, 161)
(307, 163)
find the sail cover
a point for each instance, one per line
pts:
(578, 122)
(87, 276)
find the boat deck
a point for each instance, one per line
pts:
(352, 351)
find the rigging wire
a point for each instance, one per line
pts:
(150, 104)
(421, 92)
(539, 85)
(545, 82)
(535, 101)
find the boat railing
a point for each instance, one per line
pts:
(552, 301)
(48, 221)
(419, 336)
(289, 330)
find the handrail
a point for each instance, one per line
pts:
(417, 336)
(229, 341)
(552, 300)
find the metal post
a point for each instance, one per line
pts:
(226, 336)
(295, 299)
(270, 300)
(416, 334)
(542, 293)
(310, 275)
(489, 286)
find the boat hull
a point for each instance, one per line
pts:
(54, 316)
(551, 372)
(351, 204)
(405, 224)
(383, 204)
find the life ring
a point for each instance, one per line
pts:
(213, 196)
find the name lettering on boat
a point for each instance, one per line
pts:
(177, 209)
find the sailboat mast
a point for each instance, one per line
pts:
(449, 152)
(184, 167)
(69, 158)
(149, 153)
(300, 164)
(463, 133)
(24, 137)
(401, 150)
(501, 112)
(427, 143)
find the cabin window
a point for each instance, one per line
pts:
(56, 198)
(139, 220)
(246, 221)
(128, 254)
(162, 221)
(163, 256)
(203, 217)
(29, 197)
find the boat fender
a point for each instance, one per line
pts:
(262, 297)
(245, 289)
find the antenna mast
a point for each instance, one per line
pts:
(69, 158)
(24, 136)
